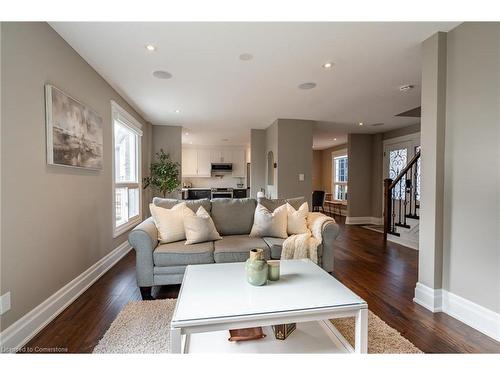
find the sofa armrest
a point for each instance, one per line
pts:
(144, 239)
(329, 233)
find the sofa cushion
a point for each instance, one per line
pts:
(267, 223)
(275, 244)
(191, 204)
(199, 227)
(179, 254)
(170, 222)
(233, 216)
(272, 204)
(236, 248)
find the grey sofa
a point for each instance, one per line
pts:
(163, 264)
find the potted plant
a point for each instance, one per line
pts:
(164, 174)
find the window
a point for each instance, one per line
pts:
(340, 177)
(397, 162)
(126, 170)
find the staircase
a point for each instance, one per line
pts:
(402, 205)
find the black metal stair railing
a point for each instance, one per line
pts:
(402, 197)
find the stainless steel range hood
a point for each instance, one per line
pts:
(221, 168)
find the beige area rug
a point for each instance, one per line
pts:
(143, 327)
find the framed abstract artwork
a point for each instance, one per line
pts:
(74, 132)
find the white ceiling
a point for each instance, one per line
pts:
(221, 97)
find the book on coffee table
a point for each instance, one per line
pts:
(246, 334)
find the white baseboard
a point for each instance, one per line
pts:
(408, 242)
(472, 314)
(358, 220)
(429, 298)
(468, 312)
(23, 330)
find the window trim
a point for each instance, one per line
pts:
(127, 120)
(337, 154)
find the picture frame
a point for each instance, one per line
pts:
(74, 131)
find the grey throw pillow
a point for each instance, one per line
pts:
(272, 204)
(191, 204)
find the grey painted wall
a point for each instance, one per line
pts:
(471, 251)
(326, 166)
(56, 221)
(377, 179)
(168, 138)
(258, 161)
(317, 170)
(432, 173)
(359, 151)
(294, 158)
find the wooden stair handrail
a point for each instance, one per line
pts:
(405, 169)
(388, 187)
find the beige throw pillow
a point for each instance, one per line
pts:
(169, 222)
(297, 219)
(200, 227)
(267, 224)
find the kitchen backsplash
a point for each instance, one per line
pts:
(214, 182)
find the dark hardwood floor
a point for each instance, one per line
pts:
(384, 274)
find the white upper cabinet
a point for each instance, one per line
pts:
(226, 156)
(204, 163)
(197, 161)
(221, 156)
(215, 156)
(189, 162)
(238, 158)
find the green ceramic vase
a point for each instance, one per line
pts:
(256, 268)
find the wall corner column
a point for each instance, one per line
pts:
(433, 120)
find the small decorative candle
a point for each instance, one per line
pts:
(273, 270)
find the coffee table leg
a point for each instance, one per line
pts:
(361, 332)
(175, 341)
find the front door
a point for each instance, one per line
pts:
(396, 156)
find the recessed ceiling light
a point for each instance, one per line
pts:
(246, 57)
(161, 74)
(150, 47)
(327, 65)
(191, 142)
(360, 124)
(186, 133)
(334, 139)
(307, 85)
(177, 111)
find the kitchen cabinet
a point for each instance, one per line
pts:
(189, 162)
(204, 164)
(226, 156)
(239, 162)
(197, 161)
(221, 156)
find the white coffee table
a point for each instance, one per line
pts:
(216, 297)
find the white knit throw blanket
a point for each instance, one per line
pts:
(305, 245)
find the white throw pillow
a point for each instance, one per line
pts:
(297, 219)
(169, 222)
(200, 227)
(267, 224)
